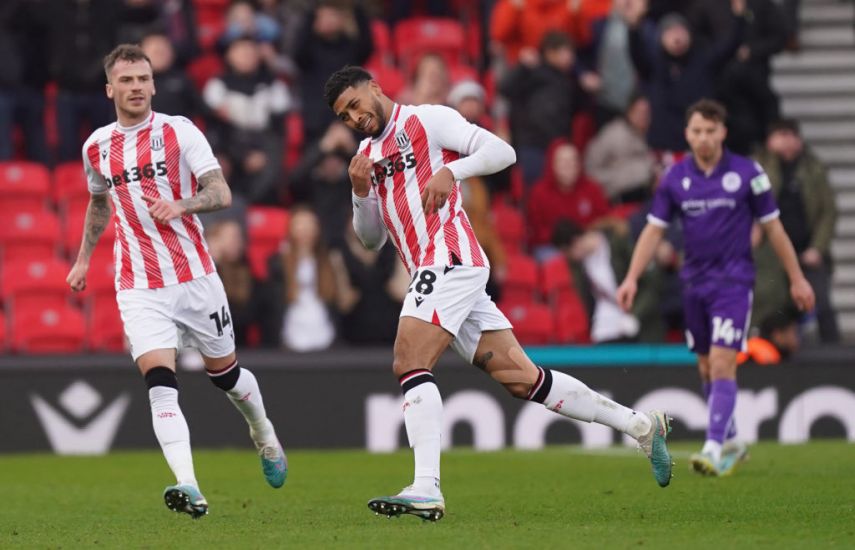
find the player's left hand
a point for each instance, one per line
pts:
(163, 211)
(802, 294)
(437, 191)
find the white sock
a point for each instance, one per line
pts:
(246, 396)
(571, 398)
(172, 433)
(423, 420)
(712, 448)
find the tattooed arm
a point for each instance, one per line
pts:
(97, 218)
(213, 195)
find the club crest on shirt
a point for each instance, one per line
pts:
(731, 182)
(156, 143)
(687, 182)
(402, 139)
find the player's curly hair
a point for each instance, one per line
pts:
(124, 52)
(342, 79)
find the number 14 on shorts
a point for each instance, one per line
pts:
(221, 320)
(724, 331)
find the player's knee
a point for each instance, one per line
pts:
(401, 366)
(721, 369)
(161, 376)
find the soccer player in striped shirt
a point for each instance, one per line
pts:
(406, 186)
(160, 172)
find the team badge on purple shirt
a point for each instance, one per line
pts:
(717, 211)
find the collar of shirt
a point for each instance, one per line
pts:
(722, 165)
(396, 110)
(135, 127)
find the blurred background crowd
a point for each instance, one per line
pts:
(591, 93)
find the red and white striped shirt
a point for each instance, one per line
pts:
(160, 157)
(416, 143)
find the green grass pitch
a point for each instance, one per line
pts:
(562, 497)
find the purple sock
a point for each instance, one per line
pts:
(722, 401)
(706, 387)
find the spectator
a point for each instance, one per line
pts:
(544, 95)
(249, 104)
(619, 158)
(288, 15)
(808, 213)
(470, 100)
(564, 193)
(591, 253)
(82, 32)
(609, 63)
(176, 94)
(430, 82)
(370, 289)
(675, 70)
(321, 181)
(743, 85)
(23, 55)
(778, 340)
(520, 25)
(333, 35)
(174, 18)
(243, 20)
(305, 281)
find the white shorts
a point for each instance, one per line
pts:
(192, 314)
(454, 297)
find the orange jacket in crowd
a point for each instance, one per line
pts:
(518, 24)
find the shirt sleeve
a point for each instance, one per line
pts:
(483, 152)
(195, 148)
(95, 181)
(367, 221)
(662, 209)
(760, 199)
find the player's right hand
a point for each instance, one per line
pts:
(360, 174)
(77, 277)
(626, 294)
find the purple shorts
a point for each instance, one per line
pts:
(717, 315)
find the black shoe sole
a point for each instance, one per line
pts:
(397, 509)
(179, 501)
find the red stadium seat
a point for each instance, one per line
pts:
(391, 80)
(204, 68)
(571, 319)
(382, 36)
(73, 235)
(106, 332)
(267, 227)
(211, 23)
(417, 36)
(100, 282)
(34, 283)
(533, 323)
(29, 235)
(48, 330)
(69, 181)
(24, 186)
(521, 281)
(510, 224)
(555, 277)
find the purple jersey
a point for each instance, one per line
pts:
(717, 212)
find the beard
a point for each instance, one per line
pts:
(377, 114)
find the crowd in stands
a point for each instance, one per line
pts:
(591, 93)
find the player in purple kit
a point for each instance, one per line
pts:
(717, 196)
